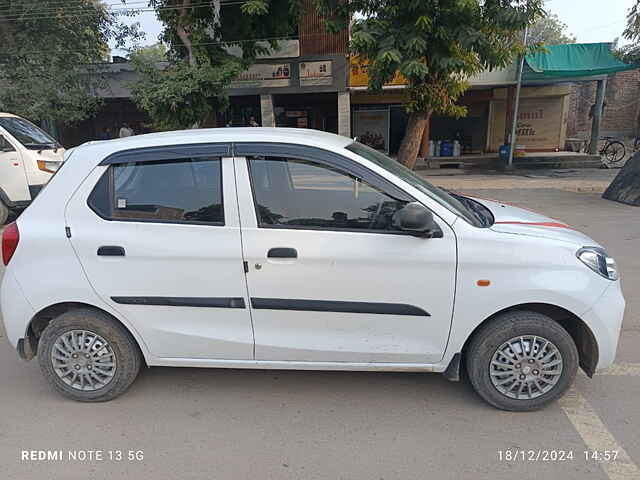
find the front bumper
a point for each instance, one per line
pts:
(605, 320)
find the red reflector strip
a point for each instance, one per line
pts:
(539, 224)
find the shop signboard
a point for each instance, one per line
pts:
(371, 127)
(359, 76)
(539, 122)
(260, 75)
(315, 73)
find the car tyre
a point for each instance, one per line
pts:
(113, 350)
(4, 213)
(494, 344)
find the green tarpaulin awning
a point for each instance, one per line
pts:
(574, 60)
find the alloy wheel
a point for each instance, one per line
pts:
(83, 360)
(525, 367)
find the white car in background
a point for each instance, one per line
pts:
(28, 158)
(296, 249)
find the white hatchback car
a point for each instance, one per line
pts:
(296, 249)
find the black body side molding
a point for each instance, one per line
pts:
(207, 302)
(337, 306)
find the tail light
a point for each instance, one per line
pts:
(10, 239)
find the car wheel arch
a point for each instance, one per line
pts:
(44, 316)
(580, 332)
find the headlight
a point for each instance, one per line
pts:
(48, 166)
(597, 260)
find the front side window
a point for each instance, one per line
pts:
(451, 202)
(296, 193)
(183, 191)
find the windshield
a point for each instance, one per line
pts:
(441, 196)
(28, 134)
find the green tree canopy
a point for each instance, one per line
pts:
(436, 45)
(198, 36)
(50, 56)
(631, 52)
(549, 30)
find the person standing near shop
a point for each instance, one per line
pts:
(125, 131)
(252, 122)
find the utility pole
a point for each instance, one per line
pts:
(597, 116)
(516, 105)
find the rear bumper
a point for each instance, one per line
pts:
(17, 312)
(605, 320)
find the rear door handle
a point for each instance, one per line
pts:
(282, 252)
(111, 251)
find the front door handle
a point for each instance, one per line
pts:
(111, 251)
(282, 252)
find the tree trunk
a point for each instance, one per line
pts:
(410, 145)
(625, 188)
(182, 32)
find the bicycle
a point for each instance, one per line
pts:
(613, 150)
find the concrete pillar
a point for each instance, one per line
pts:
(266, 111)
(344, 114)
(597, 116)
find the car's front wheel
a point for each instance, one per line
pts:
(521, 361)
(88, 356)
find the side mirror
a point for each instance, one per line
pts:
(417, 219)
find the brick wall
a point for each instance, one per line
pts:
(622, 106)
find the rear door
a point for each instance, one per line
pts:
(158, 235)
(331, 279)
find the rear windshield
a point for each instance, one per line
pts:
(28, 134)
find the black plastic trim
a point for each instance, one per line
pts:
(304, 152)
(282, 252)
(34, 190)
(337, 306)
(452, 373)
(20, 349)
(208, 302)
(111, 251)
(169, 152)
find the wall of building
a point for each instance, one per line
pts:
(622, 109)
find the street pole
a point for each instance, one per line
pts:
(597, 116)
(516, 105)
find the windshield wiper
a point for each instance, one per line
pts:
(43, 146)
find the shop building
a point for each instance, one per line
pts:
(556, 86)
(303, 83)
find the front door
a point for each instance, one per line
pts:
(331, 279)
(158, 235)
(13, 179)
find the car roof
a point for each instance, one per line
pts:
(7, 114)
(300, 136)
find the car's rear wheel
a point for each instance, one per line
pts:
(521, 361)
(88, 356)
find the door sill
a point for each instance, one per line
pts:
(295, 365)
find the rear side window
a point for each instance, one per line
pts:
(175, 191)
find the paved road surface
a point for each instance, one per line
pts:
(233, 424)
